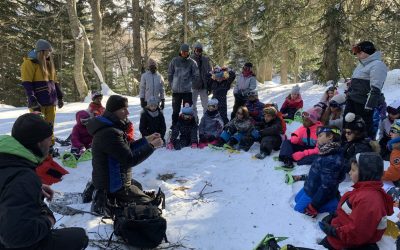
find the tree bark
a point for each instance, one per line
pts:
(77, 33)
(137, 49)
(284, 66)
(146, 31)
(97, 34)
(185, 21)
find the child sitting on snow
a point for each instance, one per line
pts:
(80, 137)
(393, 111)
(393, 172)
(152, 119)
(293, 102)
(236, 129)
(360, 218)
(211, 124)
(255, 108)
(95, 107)
(302, 146)
(271, 132)
(184, 133)
(333, 115)
(321, 187)
(329, 93)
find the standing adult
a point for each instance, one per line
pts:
(246, 82)
(182, 73)
(364, 93)
(26, 221)
(114, 156)
(152, 85)
(201, 85)
(39, 79)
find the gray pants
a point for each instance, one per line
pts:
(203, 98)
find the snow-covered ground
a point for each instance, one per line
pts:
(243, 199)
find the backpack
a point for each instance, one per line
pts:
(140, 226)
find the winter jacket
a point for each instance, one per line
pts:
(204, 65)
(182, 73)
(152, 122)
(306, 137)
(152, 85)
(290, 103)
(46, 91)
(367, 81)
(239, 126)
(23, 214)
(113, 155)
(96, 109)
(256, 111)
(350, 149)
(224, 85)
(80, 137)
(185, 129)
(361, 215)
(384, 127)
(245, 84)
(211, 124)
(393, 172)
(272, 128)
(325, 175)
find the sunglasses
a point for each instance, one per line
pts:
(348, 132)
(355, 49)
(326, 129)
(334, 104)
(394, 131)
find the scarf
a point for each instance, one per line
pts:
(247, 73)
(328, 148)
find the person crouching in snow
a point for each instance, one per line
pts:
(211, 124)
(321, 187)
(95, 107)
(302, 146)
(80, 137)
(152, 119)
(236, 130)
(360, 219)
(255, 108)
(184, 133)
(293, 102)
(271, 132)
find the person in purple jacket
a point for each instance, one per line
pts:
(80, 137)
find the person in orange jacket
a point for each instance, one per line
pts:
(393, 172)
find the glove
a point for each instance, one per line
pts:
(34, 104)
(311, 211)
(162, 104)
(143, 103)
(298, 156)
(194, 145)
(327, 229)
(60, 103)
(170, 146)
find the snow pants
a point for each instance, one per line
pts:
(287, 149)
(203, 98)
(220, 95)
(302, 200)
(269, 143)
(177, 100)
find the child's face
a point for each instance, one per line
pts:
(98, 99)
(294, 96)
(394, 133)
(152, 107)
(268, 118)
(323, 138)
(306, 122)
(330, 94)
(239, 114)
(211, 108)
(354, 172)
(349, 135)
(393, 117)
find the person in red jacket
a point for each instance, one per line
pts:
(293, 102)
(360, 218)
(95, 107)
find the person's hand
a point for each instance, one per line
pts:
(60, 103)
(153, 136)
(311, 211)
(51, 219)
(143, 103)
(162, 104)
(156, 142)
(327, 229)
(47, 192)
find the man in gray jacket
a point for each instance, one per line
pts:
(201, 86)
(364, 93)
(182, 73)
(152, 85)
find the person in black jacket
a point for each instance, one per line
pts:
(184, 134)
(114, 156)
(25, 220)
(152, 119)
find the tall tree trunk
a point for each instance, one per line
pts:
(77, 33)
(146, 30)
(296, 65)
(137, 49)
(268, 69)
(185, 21)
(97, 34)
(284, 66)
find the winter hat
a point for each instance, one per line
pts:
(367, 47)
(270, 111)
(370, 166)
(248, 64)
(396, 126)
(394, 107)
(96, 94)
(187, 110)
(354, 122)
(212, 102)
(184, 47)
(330, 83)
(43, 45)
(314, 114)
(197, 45)
(253, 93)
(152, 101)
(30, 129)
(151, 62)
(295, 90)
(339, 99)
(116, 102)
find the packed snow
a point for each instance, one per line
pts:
(215, 200)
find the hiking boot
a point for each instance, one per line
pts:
(288, 163)
(232, 142)
(87, 195)
(54, 152)
(99, 202)
(261, 155)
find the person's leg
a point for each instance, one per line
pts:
(307, 160)
(266, 145)
(73, 238)
(329, 207)
(302, 200)
(195, 96)
(49, 113)
(286, 150)
(176, 107)
(204, 99)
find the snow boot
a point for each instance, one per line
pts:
(69, 160)
(261, 155)
(87, 195)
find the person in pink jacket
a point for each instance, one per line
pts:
(302, 145)
(80, 137)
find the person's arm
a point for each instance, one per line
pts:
(171, 72)
(377, 75)
(142, 87)
(252, 83)
(195, 71)
(274, 129)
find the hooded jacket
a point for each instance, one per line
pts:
(80, 137)
(182, 73)
(292, 103)
(350, 149)
(96, 109)
(152, 122)
(211, 124)
(204, 66)
(367, 81)
(46, 91)
(23, 214)
(152, 85)
(185, 130)
(245, 84)
(222, 86)
(393, 172)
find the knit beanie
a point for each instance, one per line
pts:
(314, 114)
(151, 62)
(367, 47)
(152, 101)
(30, 129)
(187, 110)
(394, 107)
(340, 99)
(354, 122)
(96, 94)
(212, 102)
(295, 90)
(270, 111)
(370, 166)
(42, 45)
(116, 102)
(184, 47)
(197, 45)
(248, 64)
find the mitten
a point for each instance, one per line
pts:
(34, 104)
(162, 104)
(60, 103)
(298, 156)
(311, 211)
(143, 103)
(194, 145)
(170, 146)
(327, 229)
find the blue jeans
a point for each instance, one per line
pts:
(302, 200)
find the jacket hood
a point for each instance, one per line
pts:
(9, 145)
(108, 119)
(83, 114)
(375, 56)
(32, 55)
(377, 185)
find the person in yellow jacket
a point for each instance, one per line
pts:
(39, 80)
